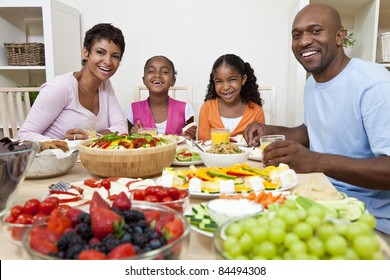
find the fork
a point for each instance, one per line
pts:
(196, 144)
(60, 186)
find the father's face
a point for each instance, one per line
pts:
(314, 39)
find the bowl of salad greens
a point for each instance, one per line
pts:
(185, 157)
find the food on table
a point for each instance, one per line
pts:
(289, 232)
(54, 144)
(15, 159)
(240, 178)
(225, 148)
(185, 154)
(200, 218)
(106, 232)
(264, 198)
(318, 191)
(131, 141)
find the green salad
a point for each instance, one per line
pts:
(187, 155)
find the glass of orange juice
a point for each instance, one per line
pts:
(268, 139)
(219, 135)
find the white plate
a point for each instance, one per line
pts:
(254, 154)
(181, 139)
(187, 163)
(240, 141)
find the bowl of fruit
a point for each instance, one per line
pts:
(15, 160)
(177, 199)
(124, 229)
(291, 233)
(22, 217)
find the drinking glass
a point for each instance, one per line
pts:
(219, 135)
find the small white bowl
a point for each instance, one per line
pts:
(224, 210)
(223, 160)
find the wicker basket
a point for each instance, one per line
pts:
(131, 163)
(25, 54)
(383, 48)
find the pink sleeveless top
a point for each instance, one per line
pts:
(176, 115)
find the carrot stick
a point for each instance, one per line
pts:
(260, 196)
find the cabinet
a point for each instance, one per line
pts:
(43, 21)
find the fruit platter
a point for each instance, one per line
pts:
(240, 178)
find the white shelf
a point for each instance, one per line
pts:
(50, 22)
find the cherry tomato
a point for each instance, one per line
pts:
(16, 210)
(153, 190)
(31, 206)
(47, 206)
(151, 198)
(54, 199)
(183, 194)
(10, 219)
(166, 199)
(38, 216)
(173, 193)
(139, 194)
(105, 183)
(24, 219)
(161, 194)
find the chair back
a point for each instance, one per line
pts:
(182, 93)
(268, 94)
(14, 107)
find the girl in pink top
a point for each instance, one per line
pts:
(81, 97)
(232, 100)
(159, 110)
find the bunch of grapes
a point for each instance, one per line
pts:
(292, 233)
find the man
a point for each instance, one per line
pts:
(346, 131)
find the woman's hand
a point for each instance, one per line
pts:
(76, 134)
(136, 127)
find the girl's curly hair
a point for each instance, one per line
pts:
(249, 91)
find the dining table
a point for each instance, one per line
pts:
(199, 246)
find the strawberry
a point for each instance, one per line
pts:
(122, 202)
(162, 221)
(73, 214)
(173, 229)
(152, 215)
(92, 255)
(58, 221)
(105, 221)
(122, 251)
(98, 201)
(43, 240)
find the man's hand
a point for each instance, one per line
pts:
(253, 132)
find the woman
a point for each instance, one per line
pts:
(66, 104)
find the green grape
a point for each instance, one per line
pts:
(341, 228)
(350, 254)
(277, 222)
(289, 239)
(298, 247)
(287, 255)
(301, 256)
(267, 249)
(289, 203)
(356, 229)
(277, 258)
(235, 250)
(316, 211)
(262, 220)
(336, 245)
(378, 255)
(245, 242)
(276, 234)
(315, 247)
(313, 220)
(303, 230)
(235, 230)
(282, 211)
(301, 214)
(324, 231)
(291, 218)
(229, 242)
(365, 246)
(368, 220)
(258, 258)
(241, 257)
(249, 223)
(258, 234)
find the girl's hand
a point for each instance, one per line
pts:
(190, 133)
(136, 127)
(76, 134)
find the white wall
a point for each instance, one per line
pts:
(193, 34)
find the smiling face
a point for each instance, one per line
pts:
(159, 75)
(317, 41)
(228, 82)
(103, 60)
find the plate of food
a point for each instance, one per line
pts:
(187, 157)
(239, 140)
(254, 153)
(179, 139)
(200, 220)
(210, 182)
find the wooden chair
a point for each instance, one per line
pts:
(176, 92)
(268, 94)
(14, 107)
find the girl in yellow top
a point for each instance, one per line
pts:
(233, 98)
